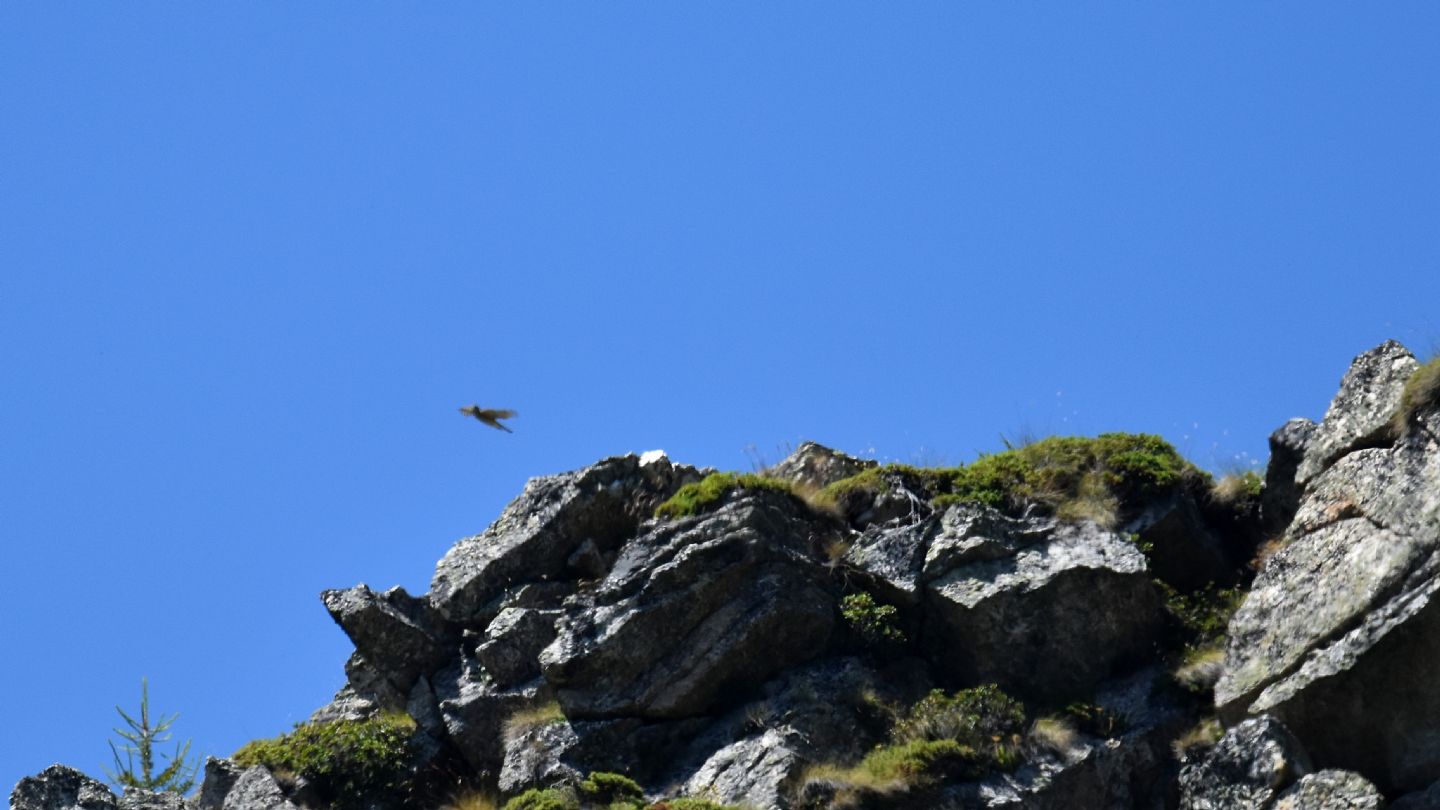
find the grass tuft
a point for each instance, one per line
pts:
(525, 721)
(709, 493)
(1421, 394)
(351, 762)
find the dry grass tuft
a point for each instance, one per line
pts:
(1201, 668)
(1055, 734)
(1233, 488)
(525, 721)
(1422, 393)
(1092, 501)
(1265, 551)
(1198, 739)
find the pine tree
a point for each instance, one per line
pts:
(178, 776)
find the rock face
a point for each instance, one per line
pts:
(782, 648)
(692, 611)
(1006, 604)
(61, 788)
(1341, 620)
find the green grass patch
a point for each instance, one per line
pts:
(1072, 476)
(352, 762)
(1204, 615)
(608, 789)
(710, 493)
(545, 799)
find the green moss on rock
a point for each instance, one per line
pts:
(352, 762)
(710, 493)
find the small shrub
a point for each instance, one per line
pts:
(973, 716)
(602, 787)
(351, 761)
(920, 762)
(874, 623)
(710, 492)
(140, 741)
(526, 720)
(1204, 614)
(1422, 393)
(545, 799)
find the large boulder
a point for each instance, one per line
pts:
(537, 536)
(398, 634)
(476, 713)
(1047, 609)
(256, 789)
(1360, 415)
(59, 787)
(1246, 770)
(1339, 621)
(693, 612)
(1281, 495)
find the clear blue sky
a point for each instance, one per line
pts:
(253, 256)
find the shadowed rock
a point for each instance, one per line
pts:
(692, 612)
(61, 788)
(1246, 770)
(540, 531)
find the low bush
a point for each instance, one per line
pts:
(1203, 615)
(351, 762)
(709, 493)
(545, 799)
(606, 788)
(975, 717)
(873, 623)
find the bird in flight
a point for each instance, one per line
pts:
(490, 416)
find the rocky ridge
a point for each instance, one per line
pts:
(1049, 627)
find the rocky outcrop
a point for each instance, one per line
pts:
(779, 650)
(1046, 609)
(61, 788)
(538, 534)
(1339, 622)
(693, 611)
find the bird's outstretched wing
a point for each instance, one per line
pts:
(490, 416)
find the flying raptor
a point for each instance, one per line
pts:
(490, 416)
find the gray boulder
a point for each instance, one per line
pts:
(397, 633)
(539, 533)
(1248, 768)
(220, 776)
(814, 466)
(537, 757)
(256, 789)
(1331, 790)
(1339, 622)
(366, 693)
(692, 612)
(59, 787)
(1360, 414)
(514, 640)
(1048, 610)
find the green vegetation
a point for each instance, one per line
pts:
(687, 803)
(1204, 615)
(1237, 487)
(875, 624)
(708, 494)
(1422, 393)
(606, 788)
(140, 741)
(1074, 477)
(545, 799)
(942, 737)
(352, 762)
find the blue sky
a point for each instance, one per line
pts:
(254, 256)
